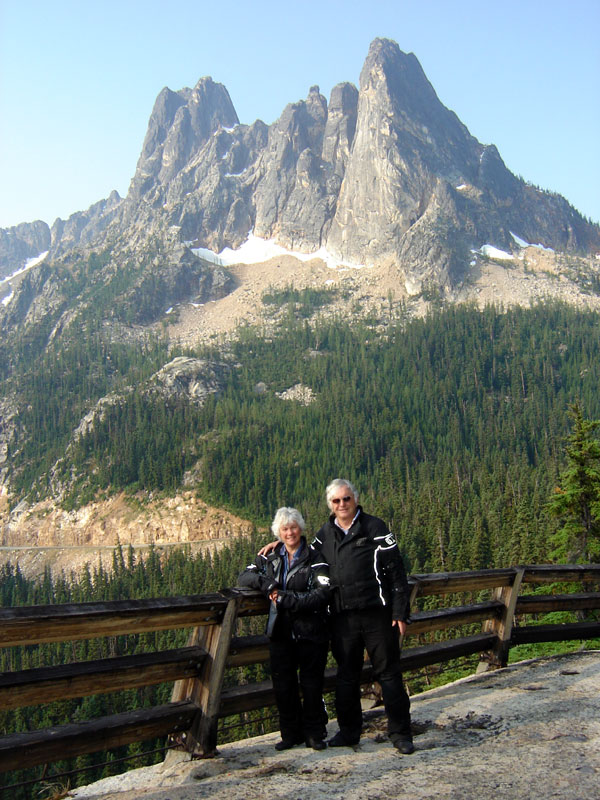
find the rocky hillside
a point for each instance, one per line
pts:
(43, 535)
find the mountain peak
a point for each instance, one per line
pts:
(180, 123)
(382, 175)
(386, 54)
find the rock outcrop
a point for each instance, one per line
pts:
(84, 227)
(121, 520)
(42, 535)
(526, 732)
(191, 379)
(20, 243)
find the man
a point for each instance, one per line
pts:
(369, 609)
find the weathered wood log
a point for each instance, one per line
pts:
(250, 601)
(502, 626)
(549, 573)
(532, 634)
(46, 684)
(202, 737)
(446, 582)
(538, 604)
(36, 624)
(249, 697)
(438, 619)
(416, 657)
(245, 650)
(22, 750)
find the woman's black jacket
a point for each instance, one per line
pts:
(300, 608)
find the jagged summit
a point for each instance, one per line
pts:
(180, 123)
(383, 176)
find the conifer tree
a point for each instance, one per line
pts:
(576, 500)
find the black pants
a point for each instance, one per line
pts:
(305, 660)
(351, 633)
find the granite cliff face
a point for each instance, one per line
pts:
(21, 243)
(382, 175)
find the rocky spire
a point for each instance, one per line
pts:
(340, 127)
(180, 123)
(291, 197)
(405, 139)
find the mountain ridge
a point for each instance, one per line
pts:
(307, 180)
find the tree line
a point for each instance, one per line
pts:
(452, 426)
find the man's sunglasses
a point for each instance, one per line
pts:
(337, 500)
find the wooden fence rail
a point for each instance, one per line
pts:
(199, 699)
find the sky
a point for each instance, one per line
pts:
(78, 81)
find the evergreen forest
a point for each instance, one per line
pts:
(452, 427)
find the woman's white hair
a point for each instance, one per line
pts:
(285, 515)
(336, 484)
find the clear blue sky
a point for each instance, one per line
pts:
(78, 80)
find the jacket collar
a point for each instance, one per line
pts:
(352, 529)
(278, 551)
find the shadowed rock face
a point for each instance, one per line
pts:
(180, 123)
(405, 142)
(23, 241)
(383, 175)
(529, 731)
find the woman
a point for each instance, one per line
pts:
(299, 592)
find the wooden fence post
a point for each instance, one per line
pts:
(205, 690)
(413, 596)
(497, 657)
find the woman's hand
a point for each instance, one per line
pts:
(274, 595)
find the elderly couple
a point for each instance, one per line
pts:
(354, 567)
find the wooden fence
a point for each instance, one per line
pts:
(199, 699)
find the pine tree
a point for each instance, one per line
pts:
(576, 500)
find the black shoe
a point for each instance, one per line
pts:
(316, 744)
(285, 744)
(404, 746)
(340, 741)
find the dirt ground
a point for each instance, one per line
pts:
(533, 275)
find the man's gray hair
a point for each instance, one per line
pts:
(285, 515)
(336, 484)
